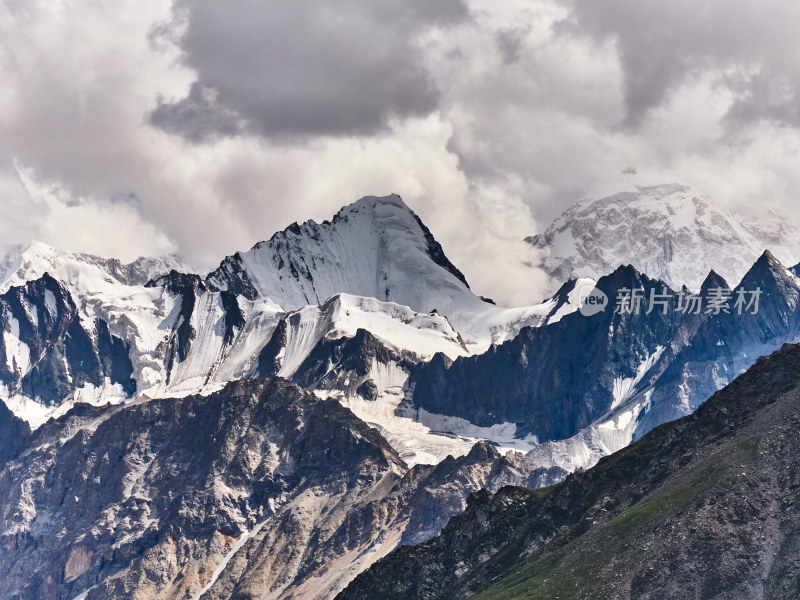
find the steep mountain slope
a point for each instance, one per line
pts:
(552, 380)
(50, 353)
(259, 490)
(375, 247)
(13, 433)
(702, 507)
(724, 345)
(669, 232)
(178, 336)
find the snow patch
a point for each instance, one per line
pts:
(624, 386)
(584, 449)
(418, 436)
(243, 539)
(50, 303)
(18, 354)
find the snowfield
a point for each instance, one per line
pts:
(670, 232)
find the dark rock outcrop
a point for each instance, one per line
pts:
(64, 351)
(551, 380)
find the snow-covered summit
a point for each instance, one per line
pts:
(671, 232)
(375, 247)
(27, 262)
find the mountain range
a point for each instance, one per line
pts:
(274, 427)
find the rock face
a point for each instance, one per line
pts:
(705, 507)
(551, 380)
(258, 491)
(48, 351)
(669, 232)
(588, 386)
(13, 433)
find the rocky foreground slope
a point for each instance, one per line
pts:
(258, 491)
(704, 507)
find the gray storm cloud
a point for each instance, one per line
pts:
(303, 68)
(144, 126)
(750, 48)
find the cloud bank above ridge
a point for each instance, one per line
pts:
(146, 128)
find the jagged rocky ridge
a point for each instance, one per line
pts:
(587, 386)
(257, 491)
(702, 507)
(49, 351)
(23, 263)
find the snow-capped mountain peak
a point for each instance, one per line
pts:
(375, 247)
(26, 262)
(671, 232)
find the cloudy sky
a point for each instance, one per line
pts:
(140, 127)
